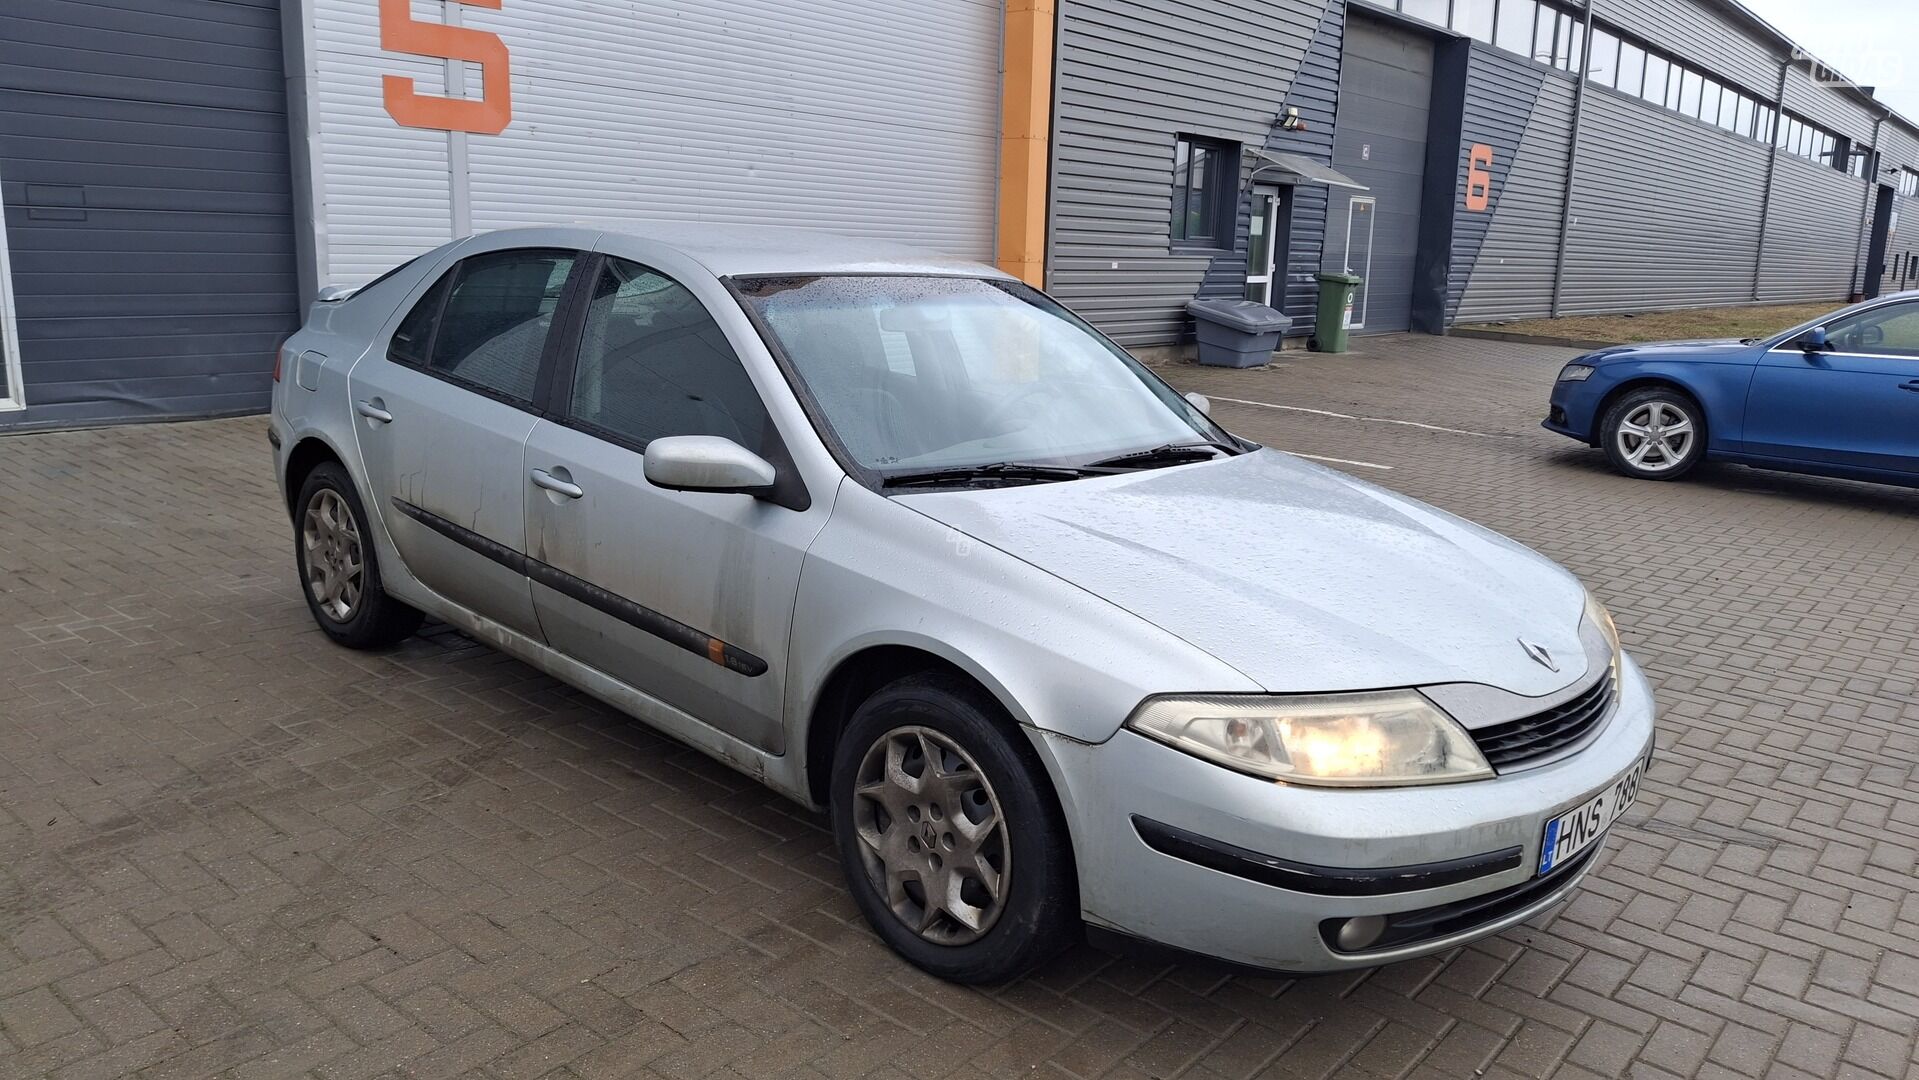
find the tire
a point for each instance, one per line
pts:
(977, 937)
(329, 539)
(1642, 426)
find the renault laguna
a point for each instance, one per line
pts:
(907, 541)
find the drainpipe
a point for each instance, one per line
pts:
(1572, 161)
(1772, 166)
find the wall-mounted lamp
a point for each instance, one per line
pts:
(1290, 121)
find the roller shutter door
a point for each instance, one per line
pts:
(846, 115)
(1385, 90)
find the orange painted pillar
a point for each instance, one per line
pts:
(1026, 114)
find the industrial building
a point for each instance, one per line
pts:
(179, 176)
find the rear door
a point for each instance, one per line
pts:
(444, 408)
(685, 596)
(1856, 404)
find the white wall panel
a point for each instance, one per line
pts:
(835, 114)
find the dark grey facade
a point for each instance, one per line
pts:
(1559, 179)
(143, 169)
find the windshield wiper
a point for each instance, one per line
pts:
(998, 470)
(1169, 454)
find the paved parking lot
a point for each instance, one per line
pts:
(227, 848)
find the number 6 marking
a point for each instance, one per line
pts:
(488, 115)
(1479, 181)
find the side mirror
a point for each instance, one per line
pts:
(707, 463)
(1201, 402)
(1814, 340)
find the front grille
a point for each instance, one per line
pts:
(1532, 737)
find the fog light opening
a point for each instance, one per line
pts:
(1359, 932)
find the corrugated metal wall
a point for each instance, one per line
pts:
(1133, 75)
(1666, 211)
(143, 147)
(843, 115)
(1504, 257)
(1812, 234)
(1385, 90)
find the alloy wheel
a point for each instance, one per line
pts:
(1656, 436)
(933, 839)
(336, 569)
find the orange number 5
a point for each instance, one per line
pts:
(488, 115)
(1479, 182)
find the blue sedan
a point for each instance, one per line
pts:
(1836, 397)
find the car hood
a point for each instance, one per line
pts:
(1301, 577)
(1707, 349)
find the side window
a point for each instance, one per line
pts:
(415, 335)
(497, 318)
(1890, 331)
(654, 363)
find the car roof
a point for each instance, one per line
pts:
(752, 250)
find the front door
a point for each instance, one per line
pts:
(1855, 404)
(1264, 258)
(11, 396)
(1361, 211)
(444, 408)
(685, 596)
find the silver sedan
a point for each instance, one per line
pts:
(906, 540)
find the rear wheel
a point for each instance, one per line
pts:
(1654, 434)
(338, 570)
(951, 843)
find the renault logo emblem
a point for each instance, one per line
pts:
(1539, 654)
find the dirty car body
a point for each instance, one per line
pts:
(903, 539)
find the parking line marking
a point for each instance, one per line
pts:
(1337, 460)
(1367, 419)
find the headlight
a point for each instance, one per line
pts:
(1378, 739)
(1597, 614)
(1575, 373)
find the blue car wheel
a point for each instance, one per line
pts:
(1654, 434)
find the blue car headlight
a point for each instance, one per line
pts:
(1575, 373)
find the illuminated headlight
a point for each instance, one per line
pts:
(1386, 738)
(1597, 614)
(1575, 373)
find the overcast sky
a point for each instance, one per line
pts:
(1874, 42)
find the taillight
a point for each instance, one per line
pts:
(279, 357)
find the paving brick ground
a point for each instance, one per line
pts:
(228, 848)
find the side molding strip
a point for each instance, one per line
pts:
(664, 627)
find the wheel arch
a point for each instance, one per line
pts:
(309, 453)
(1648, 381)
(861, 673)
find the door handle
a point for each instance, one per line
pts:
(372, 411)
(558, 485)
(1912, 386)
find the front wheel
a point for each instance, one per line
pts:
(1654, 434)
(951, 842)
(338, 570)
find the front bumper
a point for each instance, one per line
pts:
(1134, 888)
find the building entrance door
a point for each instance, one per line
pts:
(1265, 259)
(1359, 256)
(11, 395)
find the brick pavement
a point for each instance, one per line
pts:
(228, 848)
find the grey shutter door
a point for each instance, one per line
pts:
(1385, 91)
(143, 154)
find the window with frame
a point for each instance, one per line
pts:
(1892, 330)
(653, 363)
(1205, 181)
(493, 321)
(1908, 182)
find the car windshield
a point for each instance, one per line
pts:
(920, 373)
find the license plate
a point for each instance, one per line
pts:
(1578, 829)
